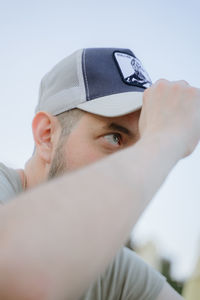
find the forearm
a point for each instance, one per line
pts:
(56, 231)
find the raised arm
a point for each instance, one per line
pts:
(57, 238)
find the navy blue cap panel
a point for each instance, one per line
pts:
(105, 72)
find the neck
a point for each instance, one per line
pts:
(33, 173)
(23, 178)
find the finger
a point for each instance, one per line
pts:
(181, 82)
(161, 81)
(165, 81)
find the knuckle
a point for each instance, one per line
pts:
(161, 83)
(176, 86)
(193, 92)
(179, 86)
(184, 82)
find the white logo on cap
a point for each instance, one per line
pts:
(132, 70)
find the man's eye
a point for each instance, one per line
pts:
(113, 138)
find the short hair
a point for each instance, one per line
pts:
(68, 120)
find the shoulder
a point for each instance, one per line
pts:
(131, 278)
(127, 277)
(10, 183)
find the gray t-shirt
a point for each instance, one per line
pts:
(127, 277)
(10, 184)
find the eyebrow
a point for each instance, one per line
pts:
(115, 126)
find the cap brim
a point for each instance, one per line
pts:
(114, 105)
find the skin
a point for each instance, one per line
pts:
(169, 128)
(93, 138)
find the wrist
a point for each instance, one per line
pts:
(165, 142)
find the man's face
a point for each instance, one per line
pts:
(93, 138)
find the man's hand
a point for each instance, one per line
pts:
(172, 109)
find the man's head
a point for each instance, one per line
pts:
(76, 138)
(89, 107)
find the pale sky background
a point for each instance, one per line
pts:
(165, 35)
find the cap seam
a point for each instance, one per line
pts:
(79, 64)
(85, 77)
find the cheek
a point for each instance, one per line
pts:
(79, 153)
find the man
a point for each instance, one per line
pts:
(60, 236)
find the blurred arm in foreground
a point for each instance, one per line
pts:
(57, 238)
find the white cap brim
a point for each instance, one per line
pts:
(114, 105)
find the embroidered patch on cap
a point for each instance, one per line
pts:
(131, 70)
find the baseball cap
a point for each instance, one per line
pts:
(104, 81)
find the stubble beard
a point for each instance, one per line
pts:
(59, 163)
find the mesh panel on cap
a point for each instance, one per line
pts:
(62, 88)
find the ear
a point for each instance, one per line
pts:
(45, 133)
